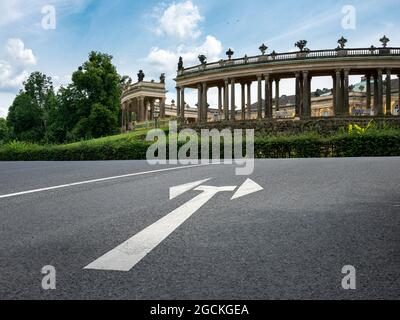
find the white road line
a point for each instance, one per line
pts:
(128, 254)
(98, 180)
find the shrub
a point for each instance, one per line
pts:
(373, 142)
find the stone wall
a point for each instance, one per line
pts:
(324, 126)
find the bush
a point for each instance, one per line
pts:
(131, 147)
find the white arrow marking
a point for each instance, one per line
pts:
(178, 190)
(248, 187)
(128, 254)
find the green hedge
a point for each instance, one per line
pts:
(374, 143)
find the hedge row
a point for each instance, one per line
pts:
(345, 145)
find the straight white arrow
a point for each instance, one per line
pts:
(128, 254)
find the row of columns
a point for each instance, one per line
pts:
(144, 111)
(227, 107)
(378, 91)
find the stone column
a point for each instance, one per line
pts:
(199, 103)
(277, 94)
(220, 111)
(243, 85)
(146, 111)
(226, 100)
(338, 99)
(376, 93)
(123, 126)
(398, 103)
(162, 108)
(334, 94)
(259, 97)
(368, 78)
(268, 106)
(380, 93)
(151, 109)
(388, 92)
(204, 103)
(249, 100)
(233, 113)
(178, 102)
(182, 105)
(270, 96)
(141, 109)
(297, 97)
(346, 92)
(306, 95)
(309, 97)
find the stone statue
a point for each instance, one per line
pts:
(342, 43)
(162, 78)
(202, 59)
(230, 53)
(141, 76)
(301, 44)
(385, 40)
(180, 64)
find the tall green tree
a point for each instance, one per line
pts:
(98, 81)
(89, 106)
(28, 116)
(4, 132)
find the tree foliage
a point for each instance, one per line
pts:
(4, 132)
(28, 116)
(86, 108)
(89, 106)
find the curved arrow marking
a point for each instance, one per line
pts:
(125, 256)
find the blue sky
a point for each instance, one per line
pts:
(150, 35)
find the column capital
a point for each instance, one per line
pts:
(388, 71)
(338, 71)
(297, 74)
(226, 81)
(379, 71)
(346, 72)
(306, 72)
(259, 77)
(266, 76)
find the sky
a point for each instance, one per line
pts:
(56, 36)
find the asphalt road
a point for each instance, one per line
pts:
(288, 241)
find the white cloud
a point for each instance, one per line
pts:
(9, 77)
(16, 50)
(166, 60)
(180, 20)
(13, 71)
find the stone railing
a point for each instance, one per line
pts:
(288, 56)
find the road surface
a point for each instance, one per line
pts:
(287, 241)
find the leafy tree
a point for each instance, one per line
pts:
(28, 116)
(25, 119)
(89, 107)
(4, 132)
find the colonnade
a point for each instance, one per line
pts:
(227, 104)
(143, 108)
